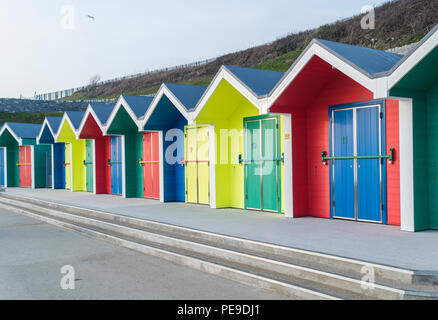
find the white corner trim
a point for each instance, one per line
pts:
(161, 163)
(93, 142)
(52, 160)
(32, 161)
(288, 165)
(122, 138)
(5, 168)
(405, 157)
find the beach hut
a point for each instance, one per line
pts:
(46, 136)
(234, 150)
(26, 164)
(103, 170)
(344, 133)
(78, 153)
(163, 141)
(126, 148)
(414, 82)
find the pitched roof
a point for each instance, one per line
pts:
(25, 130)
(261, 82)
(75, 118)
(138, 104)
(369, 60)
(102, 111)
(54, 123)
(188, 95)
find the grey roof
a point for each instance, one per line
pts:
(261, 82)
(25, 130)
(188, 95)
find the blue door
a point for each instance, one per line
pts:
(358, 179)
(116, 165)
(368, 170)
(2, 167)
(343, 170)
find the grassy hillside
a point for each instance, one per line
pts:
(398, 22)
(281, 63)
(26, 117)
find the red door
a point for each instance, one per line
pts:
(25, 166)
(151, 165)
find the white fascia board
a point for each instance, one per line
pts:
(410, 61)
(6, 127)
(120, 103)
(45, 123)
(224, 74)
(88, 112)
(83, 121)
(315, 49)
(164, 90)
(65, 118)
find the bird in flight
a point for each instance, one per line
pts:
(91, 17)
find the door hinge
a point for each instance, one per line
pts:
(333, 203)
(246, 196)
(381, 115)
(383, 207)
(276, 126)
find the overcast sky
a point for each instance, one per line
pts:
(44, 50)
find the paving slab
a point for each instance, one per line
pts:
(364, 241)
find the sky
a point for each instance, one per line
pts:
(51, 45)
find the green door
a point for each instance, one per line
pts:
(89, 165)
(262, 162)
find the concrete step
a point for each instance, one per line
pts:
(288, 290)
(395, 277)
(261, 259)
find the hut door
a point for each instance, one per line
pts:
(197, 165)
(48, 166)
(262, 163)
(67, 166)
(357, 176)
(2, 168)
(116, 165)
(151, 165)
(25, 166)
(89, 165)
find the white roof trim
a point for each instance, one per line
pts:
(65, 118)
(225, 74)
(411, 60)
(89, 111)
(6, 126)
(164, 90)
(316, 49)
(45, 123)
(120, 102)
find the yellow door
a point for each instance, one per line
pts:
(197, 165)
(191, 166)
(67, 166)
(203, 166)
